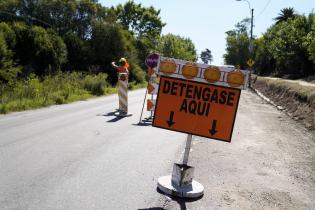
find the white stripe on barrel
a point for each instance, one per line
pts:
(123, 92)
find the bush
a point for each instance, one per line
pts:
(57, 89)
(96, 84)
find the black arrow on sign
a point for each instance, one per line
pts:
(213, 130)
(170, 121)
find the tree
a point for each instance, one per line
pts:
(287, 48)
(108, 43)
(175, 46)
(285, 14)
(237, 45)
(144, 23)
(139, 20)
(62, 16)
(8, 69)
(78, 53)
(38, 50)
(309, 40)
(206, 56)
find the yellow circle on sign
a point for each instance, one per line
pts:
(235, 78)
(190, 70)
(168, 66)
(212, 74)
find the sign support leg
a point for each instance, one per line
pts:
(151, 115)
(187, 149)
(145, 96)
(180, 183)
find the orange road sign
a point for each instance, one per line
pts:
(152, 88)
(150, 105)
(196, 108)
(150, 71)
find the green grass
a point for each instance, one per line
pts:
(58, 89)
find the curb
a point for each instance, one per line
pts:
(268, 100)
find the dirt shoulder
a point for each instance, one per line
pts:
(296, 98)
(269, 163)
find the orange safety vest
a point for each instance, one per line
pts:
(122, 69)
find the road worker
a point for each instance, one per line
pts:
(122, 66)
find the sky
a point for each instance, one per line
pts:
(206, 21)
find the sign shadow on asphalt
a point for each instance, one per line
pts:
(114, 113)
(145, 122)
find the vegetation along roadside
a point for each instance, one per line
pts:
(58, 89)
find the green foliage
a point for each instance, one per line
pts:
(144, 23)
(58, 89)
(8, 70)
(47, 49)
(285, 14)
(96, 84)
(139, 20)
(136, 74)
(62, 16)
(309, 40)
(44, 36)
(37, 49)
(8, 35)
(175, 46)
(237, 45)
(110, 42)
(78, 53)
(286, 48)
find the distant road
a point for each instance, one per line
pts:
(79, 156)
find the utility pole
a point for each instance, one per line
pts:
(251, 46)
(251, 10)
(251, 24)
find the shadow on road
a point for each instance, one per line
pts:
(145, 122)
(114, 113)
(110, 114)
(181, 201)
(154, 208)
(116, 119)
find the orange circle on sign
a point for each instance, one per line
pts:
(235, 78)
(122, 77)
(212, 74)
(168, 66)
(190, 70)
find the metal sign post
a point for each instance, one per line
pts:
(187, 149)
(181, 183)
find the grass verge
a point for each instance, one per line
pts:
(58, 89)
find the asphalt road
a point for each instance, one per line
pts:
(80, 156)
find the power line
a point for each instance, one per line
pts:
(26, 18)
(263, 9)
